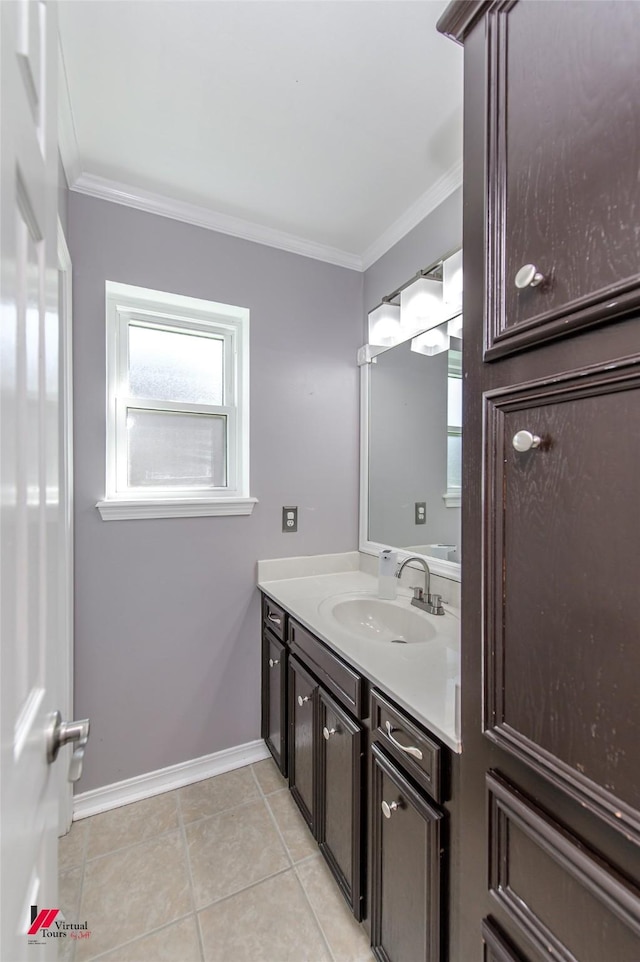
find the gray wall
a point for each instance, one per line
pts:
(167, 656)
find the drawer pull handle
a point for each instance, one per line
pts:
(273, 662)
(528, 276)
(328, 732)
(275, 619)
(409, 750)
(525, 441)
(302, 700)
(389, 809)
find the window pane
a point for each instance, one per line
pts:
(169, 366)
(177, 450)
(454, 461)
(454, 402)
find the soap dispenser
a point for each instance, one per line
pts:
(387, 581)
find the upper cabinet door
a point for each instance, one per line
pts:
(563, 169)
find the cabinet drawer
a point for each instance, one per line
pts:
(345, 683)
(418, 754)
(274, 617)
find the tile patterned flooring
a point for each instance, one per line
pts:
(224, 870)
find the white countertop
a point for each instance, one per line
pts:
(420, 677)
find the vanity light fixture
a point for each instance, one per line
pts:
(421, 305)
(431, 342)
(428, 300)
(384, 324)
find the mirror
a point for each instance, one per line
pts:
(412, 450)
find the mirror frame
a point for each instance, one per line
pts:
(437, 566)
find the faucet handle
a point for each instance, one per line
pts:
(418, 593)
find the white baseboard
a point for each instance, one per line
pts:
(166, 779)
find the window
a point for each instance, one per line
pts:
(177, 406)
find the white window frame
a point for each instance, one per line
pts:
(126, 305)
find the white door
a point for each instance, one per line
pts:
(29, 466)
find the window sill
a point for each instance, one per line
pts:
(452, 499)
(120, 510)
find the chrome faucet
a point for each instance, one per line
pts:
(432, 604)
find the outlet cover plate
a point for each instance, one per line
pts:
(289, 519)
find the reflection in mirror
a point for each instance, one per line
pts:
(415, 446)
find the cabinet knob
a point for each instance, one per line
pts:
(302, 700)
(525, 441)
(389, 808)
(528, 276)
(273, 662)
(275, 619)
(328, 732)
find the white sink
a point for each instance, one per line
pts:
(373, 619)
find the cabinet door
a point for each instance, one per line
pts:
(302, 741)
(563, 159)
(340, 797)
(274, 702)
(406, 871)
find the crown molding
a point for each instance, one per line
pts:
(67, 140)
(103, 188)
(439, 191)
(152, 203)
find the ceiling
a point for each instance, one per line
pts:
(327, 126)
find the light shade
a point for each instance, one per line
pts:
(384, 325)
(452, 284)
(421, 305)
(431, 342)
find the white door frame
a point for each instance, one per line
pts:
(65, 655)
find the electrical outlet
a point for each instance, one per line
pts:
(289, 519)
(421, 512)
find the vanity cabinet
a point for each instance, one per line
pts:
(274, 686)
(406, 874)
(340, 798)
(303, 739)
(407, 837)
(351, 749)
(326, 749)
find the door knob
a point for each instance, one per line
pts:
(388, 808)
(59, 733)
(528, 276)
(525, 441)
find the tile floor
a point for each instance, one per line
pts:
(224, 870)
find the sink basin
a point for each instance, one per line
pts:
(373, 619)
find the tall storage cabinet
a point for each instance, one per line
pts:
(550, 783)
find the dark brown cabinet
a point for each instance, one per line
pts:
(550, 792)
(303, 740)
(274, 704)
(274, 682)
(556, 200)
(326, 758)
(406, 874)
(394, 866)
(340, 821)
